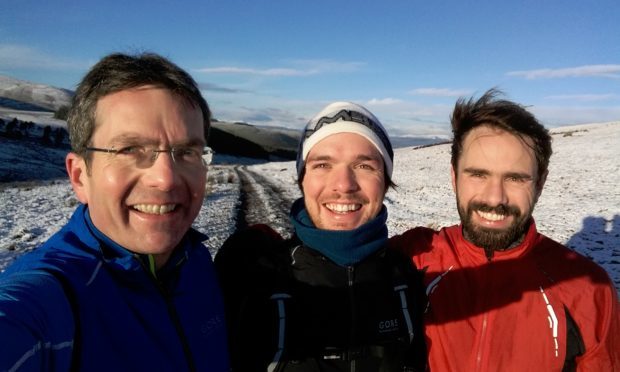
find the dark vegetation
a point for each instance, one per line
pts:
(31, 132)
(224, 142)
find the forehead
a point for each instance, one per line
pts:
(496, 149)
(147, 110)
(343, 146)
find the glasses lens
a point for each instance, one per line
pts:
(207, 155)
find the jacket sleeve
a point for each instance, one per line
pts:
(243, 265)
(237, 264)
(36, 323)
(605, 354)
(413, 243)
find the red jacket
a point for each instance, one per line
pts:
(513, 313)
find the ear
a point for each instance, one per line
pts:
(453, 177)
(541, 183)
(76, 168)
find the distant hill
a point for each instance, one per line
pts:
(28, 101)
(25, 95)
(247, 140)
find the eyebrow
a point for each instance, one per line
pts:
(129, 138)
(319, 158)
(471, 170)
(368, 158)
(520, 175)
(329, 157)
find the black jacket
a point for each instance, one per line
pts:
(289, 308)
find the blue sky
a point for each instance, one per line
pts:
(279, 62)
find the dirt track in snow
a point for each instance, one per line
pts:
(261, 201)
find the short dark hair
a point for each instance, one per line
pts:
(490, 111)
(117, 72)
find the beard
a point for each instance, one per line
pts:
(493, 239)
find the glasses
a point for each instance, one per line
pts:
(142, 157)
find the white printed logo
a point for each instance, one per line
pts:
(389, 325)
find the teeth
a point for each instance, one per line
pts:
(155, 208)
(342, 208)
(491, 216)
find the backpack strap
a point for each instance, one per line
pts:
(408, 285)
(405, 308)
(279, 299)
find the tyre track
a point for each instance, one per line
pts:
(261, 201)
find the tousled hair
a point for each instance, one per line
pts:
(502, 114)
(117, 72)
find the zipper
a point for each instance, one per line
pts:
(350, 278)
(482, 339)
(174, 316)
(483, 332)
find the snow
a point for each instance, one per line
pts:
(579, 207)
(41, 118)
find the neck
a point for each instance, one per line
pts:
(345, 248)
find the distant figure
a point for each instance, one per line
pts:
(503, 297)
(331, 298)
(126, 284)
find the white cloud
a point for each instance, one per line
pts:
(303, 68)
(326, 65)
(14, 56)
(255, 71)
(440, 92)
(583, 97)
(384, 101)
(568, 115)
(605, 71)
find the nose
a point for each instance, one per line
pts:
(344, 180)
(162, 174)
(494, 192)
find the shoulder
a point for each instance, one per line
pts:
(250, 253)
(589, 296)
(585, 289)
(418, 240)
(34, 305)
(399, 260)
(247, 245)
(564, 265)
(34, 310)
(29, 284)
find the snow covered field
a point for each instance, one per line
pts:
(580, 205)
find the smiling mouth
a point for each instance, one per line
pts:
(492, 216)
(342, 208)
(155, 208)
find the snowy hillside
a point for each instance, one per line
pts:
(44, 96)
(580, 205)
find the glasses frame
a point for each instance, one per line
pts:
(206, 160)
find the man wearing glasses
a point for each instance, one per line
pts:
(126, 284)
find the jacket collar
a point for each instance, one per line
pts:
(117, 255)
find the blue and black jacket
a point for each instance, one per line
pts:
(81, 302)
(290, 308)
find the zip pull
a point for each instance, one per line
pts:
(489, 253)
(350, 275)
